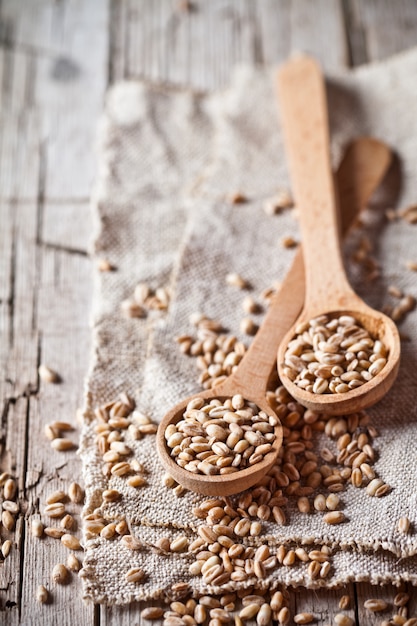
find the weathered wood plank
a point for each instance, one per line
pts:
(318, 28)
(29, 25)
(355, 32)
(19, 347)
(70, 89)
(198, 48)
(6, 267)
(19, 179)
(118, 40)
(324, 603)
(70, 167)
(389, 27)
(53, 60)
(36, 306)
(367, 592)
(165, 44)
(63, 308)
(16, 69)
(274, 30)
(19, 183)
(13, 461)
(20, 152)
(64, 73)
(123, 616)
(67, 225)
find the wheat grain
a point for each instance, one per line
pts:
(55, 533)
(71, 542)
(324, 355)
(340, 619)
(334, 517)
(303, 618)
(48, 375)
(42, 594)
(237, 437)
(62, 444)
(375, 605)
(60, 574)
(135, 575)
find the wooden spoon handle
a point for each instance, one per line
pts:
(365, 163)
(303, 108)
(363, 167)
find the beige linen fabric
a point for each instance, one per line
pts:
(108, 562)
(167, 162)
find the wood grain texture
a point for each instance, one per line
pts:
(13, 461)
(56, 60)
(389, 27)
(47, 167)
(318, 28)
(355, 33)
(324, 604)
(64, 346)
(274, 30)
(125, 616)
(367, 592)
(307, 148)
(200, 47)
(58, 232)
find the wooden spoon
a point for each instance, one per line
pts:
(363, 167)
(304, 117)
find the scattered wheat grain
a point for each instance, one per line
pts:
(48, 375)
(42, 594)
(60, 574)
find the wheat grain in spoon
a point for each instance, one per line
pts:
(328, 293)
(364, 165)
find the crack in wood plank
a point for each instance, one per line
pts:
(57, 247)
(356, 34)
(12, 283)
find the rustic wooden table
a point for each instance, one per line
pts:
(57, 58)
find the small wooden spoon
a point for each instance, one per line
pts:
(364, 165)
(304, 117)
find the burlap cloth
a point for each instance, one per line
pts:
(168, 160)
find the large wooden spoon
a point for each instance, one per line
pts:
(303, 109)
(363, 167)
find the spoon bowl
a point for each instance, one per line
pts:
(379, 326)
(303, 108)
(218, 484)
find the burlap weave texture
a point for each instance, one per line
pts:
(168, 161)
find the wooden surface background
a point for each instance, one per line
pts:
(57, 58)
